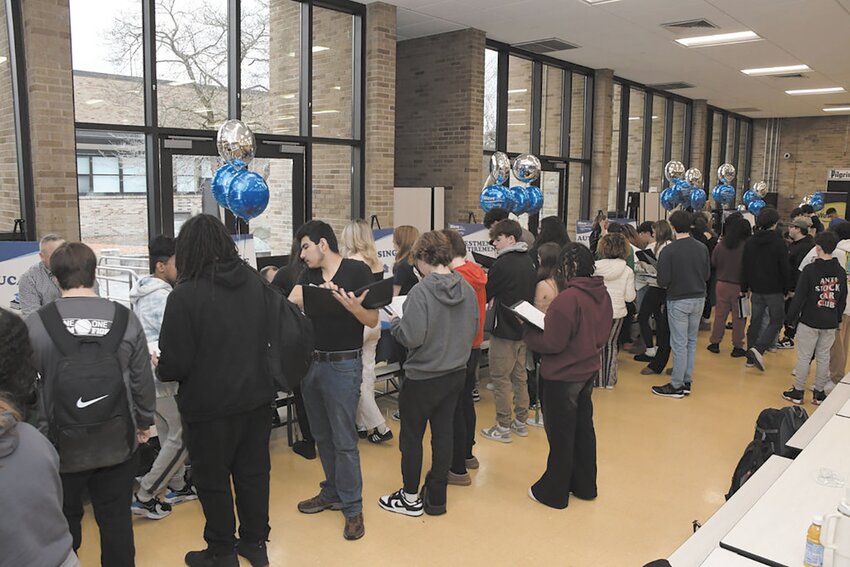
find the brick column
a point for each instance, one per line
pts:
(380, 110)
(47, 37)
(603, 125)
(439, 134)
(699, 126)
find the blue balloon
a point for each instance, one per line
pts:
(221, 180)
(493, 197)
(756, 206)
(535, 200)
(817, 201)
(698, 199)
(749, 197)
(727, 194)
(716, 194)
(521, 200)
(683, 189)
(248, 195)
(669, 199)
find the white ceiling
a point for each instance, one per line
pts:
(626, 36)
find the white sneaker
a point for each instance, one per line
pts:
(535, 419)
(396, 502)
(830, 386)
(651, 352)
(519, 428)
(498, 433)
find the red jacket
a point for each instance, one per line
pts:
(475, 276)
(577, 326)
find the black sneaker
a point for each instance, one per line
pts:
(643, 358)
(378, 437)
(153, 509)
(363, 433)
(793, 395)
(256, 553)
(396, 502)
(755, 358)
(476, 395)
(306, 449)
(738, 353)
(686, 390)
(818, 396)
(207, 558)
(785, 343)
(185, 494)
(668, 391)
(713, 347)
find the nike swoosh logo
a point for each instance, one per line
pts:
(81, 404)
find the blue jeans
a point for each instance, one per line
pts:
(684, 316)
(331, 392)
(768, 315)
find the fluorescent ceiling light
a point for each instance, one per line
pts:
(826, 90)
(320, 48)
(516, 123)
(516, 110)
(337, 88)
(634, 117)
(515, 91)
(94, 101)
(837, 109)
(289, 96)
(326, 112)
(776, 70)
(719, 39)
(288, 117)
(598, 2)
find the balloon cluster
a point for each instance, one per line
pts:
(244, 192)
(723, 193)
(754, 198)
(519, 199)
(816, 200)
(685, 187)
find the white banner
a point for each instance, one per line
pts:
(477, 239)
(384, 246)
(838, 175)
(15, 259)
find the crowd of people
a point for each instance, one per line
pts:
(106, 373)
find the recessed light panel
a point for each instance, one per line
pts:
(719, 39)
(837, 109)
(825, 90)
(764, 71)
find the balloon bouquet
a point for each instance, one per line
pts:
(753, 199)
(723, 193)
(685, 187)
(816, 200)
(519, 199)
(243, 192)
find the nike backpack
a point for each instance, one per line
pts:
(89, 416)
(291, 340)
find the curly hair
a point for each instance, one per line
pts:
(17, 373)
(433, 248)
(613, 245)
(576, 261)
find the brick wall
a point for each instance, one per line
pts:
(10, 201)
(603, 180)
(47, 36)
(440, 117)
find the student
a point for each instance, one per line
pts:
(809, 211)
(168, 470)
(269, 273)
(577, 325)
(620, 282)
(80, 317)
(511, 279)
(404, 277)
(818, 303)
(727, 261)
(226, 391)
(552, 229)
(358, 243)
(37, 286)
(434, 373)
(800, 245)
(702, 232)
(652, 305)
(548, 256)
(464, 419)
(34, 531)
(498, 214)
(332, 385)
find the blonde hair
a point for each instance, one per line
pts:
(403, 237)
(357, 238)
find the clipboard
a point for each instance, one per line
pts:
(647, 256)
(320, 301)
(483, 260)
(528, 313)
(380, 294)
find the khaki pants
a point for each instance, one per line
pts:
(838, 353)
(507, 371)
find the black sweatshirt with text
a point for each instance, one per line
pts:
(820, 296)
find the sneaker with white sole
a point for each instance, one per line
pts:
(535, 418)
(785, 343)
(396, 502)
(185, 494)
(498, 433)
(153, 509)
(519, 428)
(756, 358)
(476, 395)
(793, 395)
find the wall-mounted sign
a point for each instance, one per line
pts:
(838, 175)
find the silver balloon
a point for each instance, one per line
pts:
(760, 188)
(235, 141)
(694, 177)
(674, 170)
(726, 173)
(526, 168)
(742, 207)
(500, 167)
(807, 200)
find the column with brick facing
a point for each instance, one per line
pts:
(603, 117)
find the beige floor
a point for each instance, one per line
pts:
(662, 464)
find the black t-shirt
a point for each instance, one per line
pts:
(342, 332)
(404, 276)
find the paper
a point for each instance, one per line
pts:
(529, 313)
(396, 306)
(153, 347)
(743, 307)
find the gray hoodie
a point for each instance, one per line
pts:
(33, 532)
(439, 323)
(148, 298)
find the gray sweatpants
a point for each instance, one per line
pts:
(812, 342)
(170, 465)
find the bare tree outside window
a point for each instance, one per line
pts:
(491, 79)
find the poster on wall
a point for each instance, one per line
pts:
(15, 259)
(477, 239)
(384, 246)
(585, 227)
(837, 201)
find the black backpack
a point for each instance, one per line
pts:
(777, 426)
(755, 455)
(291, 341)
(89, 416)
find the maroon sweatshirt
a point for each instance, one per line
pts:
(577, 326)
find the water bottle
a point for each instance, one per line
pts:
(814, 548)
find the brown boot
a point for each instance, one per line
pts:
(317, 504)
(354, 527)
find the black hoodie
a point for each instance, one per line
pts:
(797, 250)
(213, 342)
(765, 264)
(821, 295)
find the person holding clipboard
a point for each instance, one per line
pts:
(331, 387)
(577, 325)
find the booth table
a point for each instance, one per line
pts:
(834, 401)
(722, 558)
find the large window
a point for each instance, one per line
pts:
(634, 151)
(332, 73)
(10, 197)
(677, 131)
(491, 97)
(656, 148)
(616, 109)
(553, 100)
(519, 105)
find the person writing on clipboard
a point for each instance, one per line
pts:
(331, 387)
(576, 326)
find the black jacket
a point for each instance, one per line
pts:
(213, 342)
(796, 252)
(765, 264)
(511, 279)
(821, 295)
